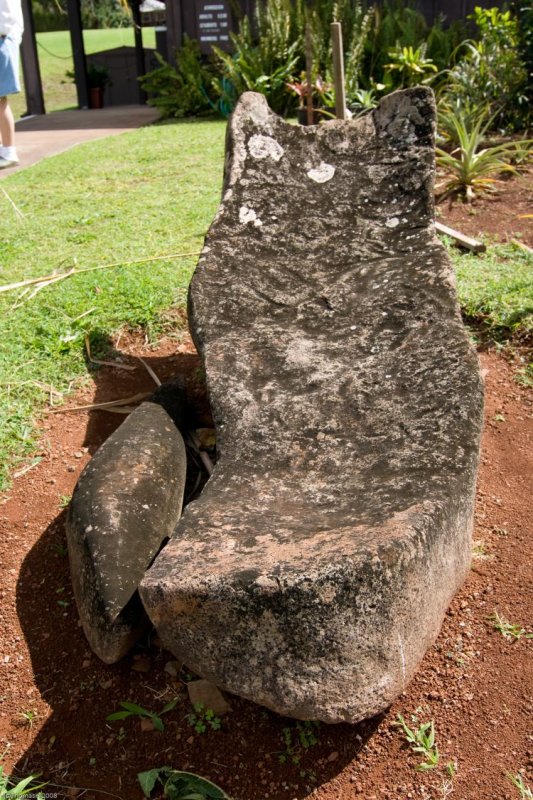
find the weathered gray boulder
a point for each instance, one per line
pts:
(126, 503)
(314, 570)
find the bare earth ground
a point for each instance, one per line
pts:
(475, 684)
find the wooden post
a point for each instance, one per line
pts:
(139, 50)
(78, 52)
(309, 73)
(338, 70)
(33, 86)
(174, 29)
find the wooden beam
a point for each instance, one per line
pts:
(463, 241)
(33, 86)
(78, 52)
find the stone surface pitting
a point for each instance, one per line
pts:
(314, 570)
(126, 503)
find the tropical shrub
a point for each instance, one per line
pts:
(395, 25)
(264, 63)
(471, 168)
(399, 27)
(184, 89)
(269, 51)
(490, 74)
(409, 67)
(357, 23)
(522, 10)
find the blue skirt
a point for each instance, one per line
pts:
(9, 66)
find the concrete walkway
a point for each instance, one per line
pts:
(49, 134)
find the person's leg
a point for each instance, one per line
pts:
(7, 123)
(9, 84)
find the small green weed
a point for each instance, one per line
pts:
(301, 737)
(134, 710)
(62, 603)
(59, 549)
(447, 788)
(178, 785)
(509, 630)
(421, 740)
(518, 782)
(11, 789)
(28, 718)
(64, 500)
(203, 718)
(524, 376)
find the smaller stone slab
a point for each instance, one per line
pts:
(127, 502)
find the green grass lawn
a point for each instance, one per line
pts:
(148, 192)
(496, 289)
(55, 59)
(144, 193)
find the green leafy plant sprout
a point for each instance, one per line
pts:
(28, 718)
(10, 789)
(179, 785)
(518, 782)
(59, 549)
(64, 500)
(301, 737)
(134, 710)
(509, 630)
(203, 718)
(422, 740)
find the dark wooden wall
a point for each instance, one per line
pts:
(452, 10)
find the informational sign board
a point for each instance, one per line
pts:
(213, 24)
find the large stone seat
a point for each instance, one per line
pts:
(314, 571)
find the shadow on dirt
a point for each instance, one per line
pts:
(255, 755)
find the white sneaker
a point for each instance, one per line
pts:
(8, 162)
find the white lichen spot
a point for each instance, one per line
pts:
(247, 215)
(321, 174)
(261, 147)
(392, 222)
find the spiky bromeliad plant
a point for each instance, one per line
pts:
(472, 169)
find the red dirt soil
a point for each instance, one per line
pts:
(503, 216)
(474, 684)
